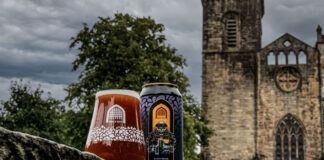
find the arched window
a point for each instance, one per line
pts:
(289, 139)
(281, 58)
(302, 58)
(115, 114)
(271, 59)
(292, 58)
(232, 25)
(161, 113)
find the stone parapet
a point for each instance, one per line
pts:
(17, 145)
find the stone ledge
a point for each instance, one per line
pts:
(17, 145)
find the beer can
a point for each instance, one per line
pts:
(161, 115)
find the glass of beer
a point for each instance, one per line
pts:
(116, 130)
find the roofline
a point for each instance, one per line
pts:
(286, 34)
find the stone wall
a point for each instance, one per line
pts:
(320, 49)
(229, 77)
(228, 95)
(16, 145)
(302, 103)
(245, 98)
(249, 14)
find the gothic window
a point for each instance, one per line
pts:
(281, 58)
(289, 139)
(161, 113)
(231, 23)
(271, 59)
(116, 114)
(292, 58)
(302, 58)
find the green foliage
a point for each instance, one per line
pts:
(76, 127)
(190, 140)
(26, 111)
(194, 124)
(124, 53)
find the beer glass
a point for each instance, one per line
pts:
(116, 131)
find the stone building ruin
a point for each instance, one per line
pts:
(262, 102)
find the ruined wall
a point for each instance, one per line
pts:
(245, 98)
(228, 96)
(274, 102)
(320, 50)
(229, 77)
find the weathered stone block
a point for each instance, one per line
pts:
(21, 146)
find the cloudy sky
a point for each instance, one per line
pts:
(35, 34)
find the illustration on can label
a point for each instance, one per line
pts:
(158, 111)
(161, 141)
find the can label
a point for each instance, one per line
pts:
(162, 125)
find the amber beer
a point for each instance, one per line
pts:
(161, 112)
(116, 131)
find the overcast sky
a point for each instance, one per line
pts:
(35, 34)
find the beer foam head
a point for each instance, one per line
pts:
(118, 92)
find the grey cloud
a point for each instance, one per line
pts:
(42, 28)
(56, 90)
(39, 66)
(298, 17)
(35, 34)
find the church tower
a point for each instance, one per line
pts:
(231, 39)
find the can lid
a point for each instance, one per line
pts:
(160, 84)
(118, 91)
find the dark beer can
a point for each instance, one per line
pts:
(161, 114)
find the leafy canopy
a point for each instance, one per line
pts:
(26, 111)
(126, 52)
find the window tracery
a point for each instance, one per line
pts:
(288, 79)
(287, 53)
(282, 58)
(287, 43)
(289, 139)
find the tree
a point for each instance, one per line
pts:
(26, 111)
(124, 53)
